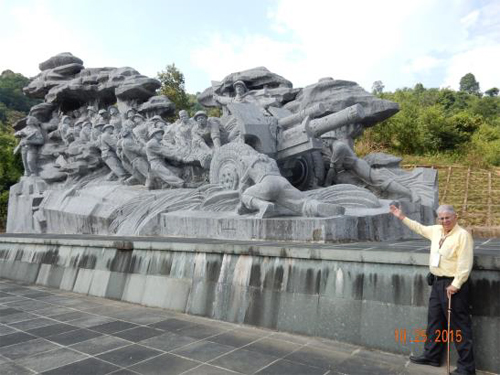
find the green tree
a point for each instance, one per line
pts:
(11, 93)
(492, 92)
(488, 107)
(173, 87)
(487, 143)
(469, 84)
(13, 106)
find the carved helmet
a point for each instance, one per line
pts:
(200, 113)
(157, 119)
(153, 131)
(108, 126)
(137, 116)
(130, 112)
(241, 83)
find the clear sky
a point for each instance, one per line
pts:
(400, 42)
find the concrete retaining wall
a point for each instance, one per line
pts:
(359, 293)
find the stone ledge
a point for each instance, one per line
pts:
(411, 252)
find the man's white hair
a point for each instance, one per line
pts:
(446, 208)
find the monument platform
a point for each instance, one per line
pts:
(358, 293)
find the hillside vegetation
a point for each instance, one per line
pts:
(439, 125)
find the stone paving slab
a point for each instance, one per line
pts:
(45, 331)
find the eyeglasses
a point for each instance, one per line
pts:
(446, 218)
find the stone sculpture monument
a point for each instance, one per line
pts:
(99, 158)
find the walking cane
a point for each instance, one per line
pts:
(448, 340)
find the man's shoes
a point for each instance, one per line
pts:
(422, 360)
(456, 372)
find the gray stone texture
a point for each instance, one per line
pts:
(100, 159)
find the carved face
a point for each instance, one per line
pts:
(240, 89)
(201, 120)
(183, 115)
(113, 111)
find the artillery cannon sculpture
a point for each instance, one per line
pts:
(107, 162)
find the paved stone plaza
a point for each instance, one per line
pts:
(49, 331)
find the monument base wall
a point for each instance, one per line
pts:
(362, 293)
(96, 209)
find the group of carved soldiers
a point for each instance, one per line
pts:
(139, 150)
(152, 152)
(136, 149)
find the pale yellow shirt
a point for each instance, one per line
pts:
(456, 250)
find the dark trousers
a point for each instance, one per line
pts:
(437, 322)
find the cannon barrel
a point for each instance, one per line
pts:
(295, 119)
(347, 116)
(305, 137)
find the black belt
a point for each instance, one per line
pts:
(444, 278)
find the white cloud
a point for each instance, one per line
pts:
(224, 55)
(481, 61)
(34, 35)
(325, 39)
(363, 41)
(480, 52)
(31, 32)
(470, 19)
(422, 64)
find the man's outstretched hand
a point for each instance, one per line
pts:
(397, 212)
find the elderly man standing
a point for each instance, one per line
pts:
(451, 259)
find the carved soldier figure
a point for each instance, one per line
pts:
(31, 140)
(136, 156)
(108, 152)
(242, 95)
(92, 114)
(262, 187)
(96, 134)
(206, 131)
(141, 128)
(76, 130)
(65, 129)
(129, 113)
(343, 158)
(102, 117)
(115, 118)
(157, 153)
(86, 132)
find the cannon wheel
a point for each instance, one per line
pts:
(304, 172)
(226, 168)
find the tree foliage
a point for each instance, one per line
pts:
(492, 92)
(433, 121)
(469, 84)
(13, 106)
(173, 87)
